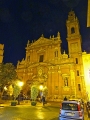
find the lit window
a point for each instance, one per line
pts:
(41, 58)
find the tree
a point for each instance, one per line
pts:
(34, 92)
(7, 74)
(16, 91)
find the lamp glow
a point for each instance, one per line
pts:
(41, 87)
(5, 88)
(20, 84)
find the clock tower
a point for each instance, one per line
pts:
(73, 35)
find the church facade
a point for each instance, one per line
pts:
(62, 74)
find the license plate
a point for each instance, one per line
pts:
(69, 114)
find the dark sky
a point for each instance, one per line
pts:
(23, 20)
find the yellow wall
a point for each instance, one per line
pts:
(86, 65)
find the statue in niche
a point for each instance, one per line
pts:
(65, 81)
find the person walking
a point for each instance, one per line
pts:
(43, 100)
(65, 99)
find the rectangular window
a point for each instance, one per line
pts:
(41, 58)
(56, 53)
(69, 106)
(76, 60)
(79, 87)
(77, 72)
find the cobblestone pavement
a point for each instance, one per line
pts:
(25, 111)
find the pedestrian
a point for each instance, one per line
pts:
(18, 99)
(65, 99)
(43, 100)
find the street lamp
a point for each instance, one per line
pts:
(41, 93)
(41, 87)
(5, 88)
(20, 84)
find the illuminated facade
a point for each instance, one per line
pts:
(86, 65)
(61, 73)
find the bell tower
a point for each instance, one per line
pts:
(75, 52)
(73, 35)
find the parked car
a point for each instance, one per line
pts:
(87, 105)
(71, 110)
(88, 108)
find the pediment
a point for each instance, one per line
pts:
(41, 41)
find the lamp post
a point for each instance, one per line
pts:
(20, 84)
(41, 93)
(41, 87)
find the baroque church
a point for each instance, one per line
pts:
(62, 74)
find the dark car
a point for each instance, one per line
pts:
(88, 105)
(88, 108)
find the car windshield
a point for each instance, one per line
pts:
(69, 106)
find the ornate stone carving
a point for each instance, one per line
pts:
(41, 77)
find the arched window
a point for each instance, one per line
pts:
(56, 53)
(72, 30)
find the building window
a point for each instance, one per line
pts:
(56, 53)
(65, 81)
(72, 30)
(56, 87)
(41, 58)
(28, 58)
(77, 72)
(79, 87)
(76, 60)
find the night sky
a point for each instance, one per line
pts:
(23, 20)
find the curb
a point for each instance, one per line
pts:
(8, 104)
